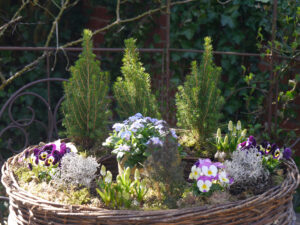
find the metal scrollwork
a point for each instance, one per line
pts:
(22, 124)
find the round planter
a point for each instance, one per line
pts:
(272, 207)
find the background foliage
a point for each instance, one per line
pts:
(243, 26)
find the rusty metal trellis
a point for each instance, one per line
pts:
(166, 51)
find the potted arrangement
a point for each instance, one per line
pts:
(65, 182)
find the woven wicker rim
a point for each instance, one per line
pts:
(281, 194)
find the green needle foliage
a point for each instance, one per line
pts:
(133, 92)
(85, 107)
(199, 100)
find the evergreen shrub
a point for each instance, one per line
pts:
(86, 106)
(199, 100)
(133, 91)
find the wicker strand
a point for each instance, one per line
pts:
(271, 207)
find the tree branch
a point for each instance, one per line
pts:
(78, 41)
(9, 23)
(118, 11)
(224, 3)
(16, 15)
(36, 61)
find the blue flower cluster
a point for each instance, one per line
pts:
(132, 137)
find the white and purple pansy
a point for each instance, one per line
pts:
(223, 178)
(195, 173)
(210, 170)
(249, 143)
(204, 183)
(207, 173)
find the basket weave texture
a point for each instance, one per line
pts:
(272, 207)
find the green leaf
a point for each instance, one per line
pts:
(227, 20)
(189, 33)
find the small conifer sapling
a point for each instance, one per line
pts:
(199, 100)
(86, 106)
(133, 91)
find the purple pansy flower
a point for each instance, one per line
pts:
(276, 153)
(250, 143)
(200, 162)
(242, 145)
(265, 147)
(53, 158)
(287, 153)
(30, 166)
(49, 147)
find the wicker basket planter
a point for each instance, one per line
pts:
(272, 207)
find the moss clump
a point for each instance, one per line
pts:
(24, 174)
(78, 197)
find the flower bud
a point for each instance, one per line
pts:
(222, 156)
(234, 132)
(217, 155)
(239, 125)
(108, 177)
(244, 132)
(137, 174)
(127, 172)
(219, 133)
(103, 171)
(230, 126)
(226, 140)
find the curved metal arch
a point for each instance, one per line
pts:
(27, 86)
(23, 123)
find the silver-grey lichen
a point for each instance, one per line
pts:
(76, 170)
(247, 170)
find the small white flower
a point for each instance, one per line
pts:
(219, 135)
(195, 173)
(107, 141)
(135, 202)
(230, 126)
(239, 125)
(244, 132)
(137, 175)
(210, 171)
(108, 177)
(222, 156)
(103, 171)
(72, 147)
(217, 155)
(57, 143)
(204, 186)
(223, 177)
